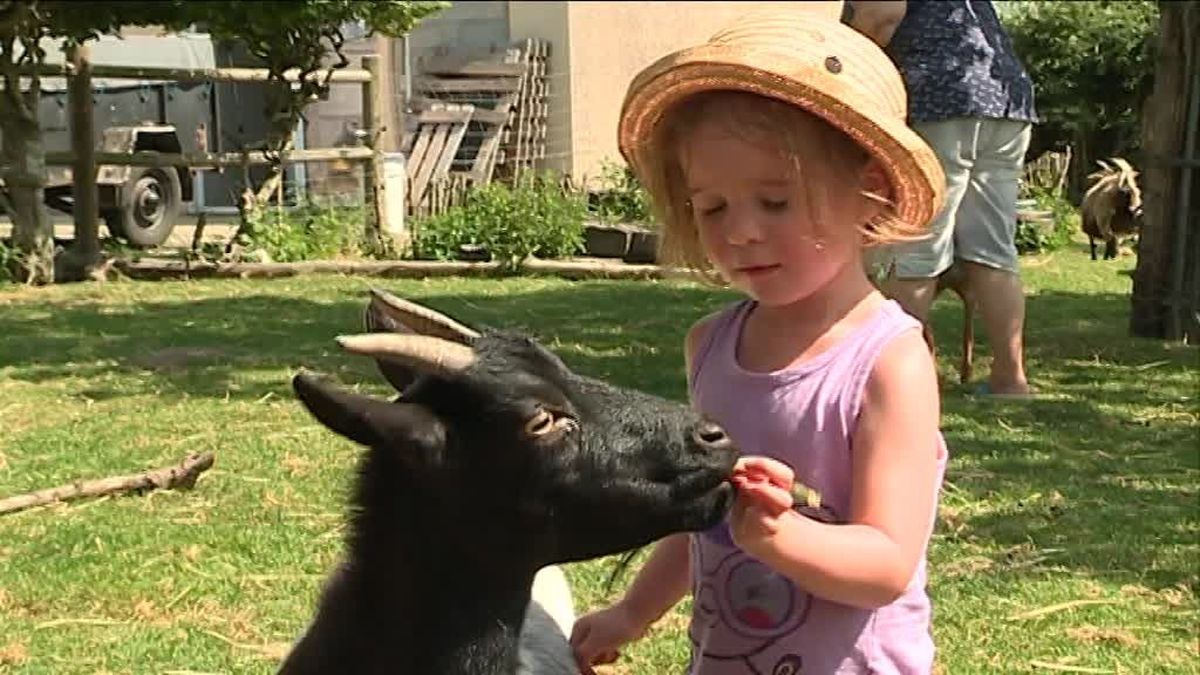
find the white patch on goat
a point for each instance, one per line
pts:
(553, 593)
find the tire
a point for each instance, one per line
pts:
(148, 207)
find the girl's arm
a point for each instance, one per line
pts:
(661, 583)
(869, 561)
(666, 576)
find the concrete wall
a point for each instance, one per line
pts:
(610, 42)
(464, 27)
(550, 21)
(596, 48)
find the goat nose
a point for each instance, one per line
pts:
(711, 435)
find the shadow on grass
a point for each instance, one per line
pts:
(1117, 443)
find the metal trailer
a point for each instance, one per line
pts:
(143, 204)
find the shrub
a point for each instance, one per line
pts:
(621, 197)
(1092, 66)
(10, 262)
(537, 216)
(1033, 238)
(310, 231)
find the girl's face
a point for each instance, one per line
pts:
(774, 234)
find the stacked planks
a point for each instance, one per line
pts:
(500, 103)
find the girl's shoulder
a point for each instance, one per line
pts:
(701, 333)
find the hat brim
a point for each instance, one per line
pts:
(915, 173)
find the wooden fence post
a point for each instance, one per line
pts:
(376, 107)
(83, 141)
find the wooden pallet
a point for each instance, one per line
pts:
(507, 90)
(440, 131)
(527, 144)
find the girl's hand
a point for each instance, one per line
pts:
(597, 637)
(764, 499)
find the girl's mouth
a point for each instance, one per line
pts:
(757, 270)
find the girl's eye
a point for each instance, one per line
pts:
(710, 210)
(774, 206)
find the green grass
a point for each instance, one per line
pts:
(1090, 494)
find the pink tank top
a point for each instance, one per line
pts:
(746, 619)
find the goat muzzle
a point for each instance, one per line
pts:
(710, 435)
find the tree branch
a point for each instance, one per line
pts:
(181, 476)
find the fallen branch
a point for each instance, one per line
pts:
(1067, 668)
(181, 476)
(1061, 607)
(154, 269)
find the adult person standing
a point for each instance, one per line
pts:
(971, 100)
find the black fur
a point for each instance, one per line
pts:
(457, 506)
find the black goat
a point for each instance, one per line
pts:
(495, 461)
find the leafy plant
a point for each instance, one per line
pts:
(537, 216)
(308, 36)
(1036, 237)
(10, 262)
(621, 197)
(312, 231)
(1092, 65)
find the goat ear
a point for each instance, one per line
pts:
(386, 313)
(388, 310)
(364, 420)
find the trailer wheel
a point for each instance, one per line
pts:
(148, 207)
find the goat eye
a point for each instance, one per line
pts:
(540, 424)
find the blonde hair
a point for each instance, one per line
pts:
(791, 129)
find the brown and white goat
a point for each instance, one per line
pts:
(1112, 206)
(496, 461)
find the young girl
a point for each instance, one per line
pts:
(775, 153)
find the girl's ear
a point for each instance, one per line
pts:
(875, 180)
(876, 188)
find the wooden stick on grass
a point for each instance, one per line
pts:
(181, 476)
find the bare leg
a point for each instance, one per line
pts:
(1002, 305)
(914, 295)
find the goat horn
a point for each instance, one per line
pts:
(1122, 164)
(419, 319)
(424, 353)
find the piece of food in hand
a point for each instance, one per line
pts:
(808, 502)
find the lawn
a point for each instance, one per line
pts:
(1068, 536)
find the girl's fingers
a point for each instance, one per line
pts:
(766, 496)
(764, 467)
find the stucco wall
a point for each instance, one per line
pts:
(596, 48)
(549, 21)
(610, 43)
(463, 27)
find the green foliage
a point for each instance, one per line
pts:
(10, 262)
(621, 197)
(76, 21)
(312, 231)
(1092, 65)
(306, 35)
(1034, 238)
(535, 217)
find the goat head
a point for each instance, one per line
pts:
(491, 425)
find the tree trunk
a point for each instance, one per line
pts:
(25, 178)
(1162, 144)
(82, 260)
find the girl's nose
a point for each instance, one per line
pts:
(743, 227)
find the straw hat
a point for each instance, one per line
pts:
(808, 58)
